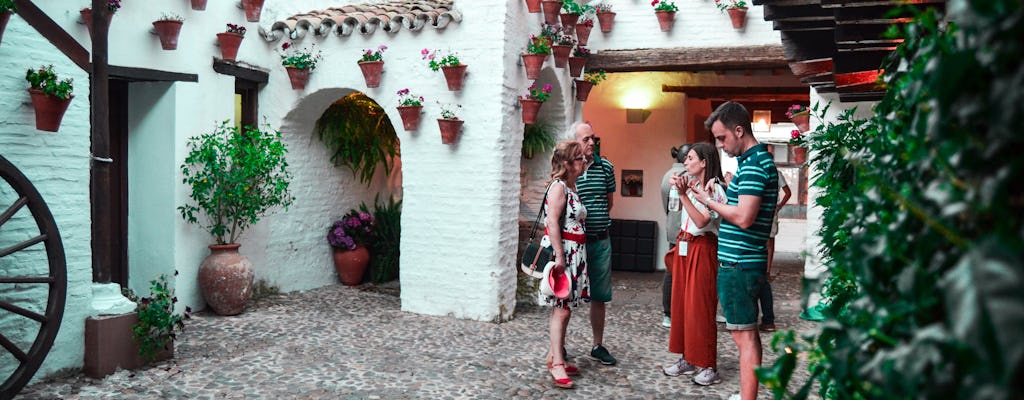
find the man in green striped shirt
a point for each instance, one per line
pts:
(742, 242)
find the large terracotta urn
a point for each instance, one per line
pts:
(225, 279)
(351, 265)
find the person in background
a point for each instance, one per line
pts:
(595, 188)
(564, 216)
(765, 298)
(672, 219)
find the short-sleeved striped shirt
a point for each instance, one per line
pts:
(593, 188)
(755, 176)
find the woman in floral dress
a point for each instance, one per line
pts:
(563, 231)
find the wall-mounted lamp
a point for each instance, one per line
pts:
(637, 115)
(762, 121)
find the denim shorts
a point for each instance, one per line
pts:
(599, 269)
(737, 291)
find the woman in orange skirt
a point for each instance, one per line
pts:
(694, 333)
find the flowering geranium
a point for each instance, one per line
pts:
(438, 59)
(727, 4)
(371, 55)
(796, 109)
(594, 77)
(113, 5)
(581, 51)
(407, 99)
(564, 38)
(232, 28)
(550, 31)
(300, 59)
(586, 21)
(602, 8)
(541, 94)
(664, 5)
(448, 111)
(538, 45)
(353, 229)
(795, 138)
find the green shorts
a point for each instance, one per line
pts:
(599, 269)
(737, 291)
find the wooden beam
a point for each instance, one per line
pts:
(801, 46)
(797, 13)
(134, 74)
(54, 33)
(689, 59)
(241, 71)
(102, 185)
(804, 25)
(746, 93)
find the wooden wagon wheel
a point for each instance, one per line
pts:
(26, 274)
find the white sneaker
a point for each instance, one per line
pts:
(680, 367)
(666, 322)
(707, 377)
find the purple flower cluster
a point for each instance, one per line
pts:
(354, 228)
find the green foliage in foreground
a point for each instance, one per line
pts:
(385, 246)
(358, 134)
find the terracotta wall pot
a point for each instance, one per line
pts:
(797, 154)
(666, 19)
(4, 17)
(530, 109)
(561, 53)
(551, 8)
(583, 34)
(802, 121)
(606, 20)
(410, 117)
(533, 64)
(229, 43)
(371, 72)
(49, 110)
(450, 129)
(168, 32)
(86, 14)
(351, 265)
(533, 6)
(199, 5)
(298, 77)
(576, 65)
(253, 9)
(569, 21)
(225, 279)
(454, 76)
(738, 17)
(583, 89)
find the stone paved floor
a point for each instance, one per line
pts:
(340, 343)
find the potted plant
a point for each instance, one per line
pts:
(449, 123)
(531, 103)
(387, 238)
(230, 40)
(167, 28)
(299, 64)
(349, 237)
(578, 60)
(583, 28)
(797, 151)
(537, 139)
(737, 10)
(372, 64)
(253, 9)
(562, 47)
(572, 13)
(198, 5)
(235, 176)
(112, 7)
(409, 107)
(800, 115)
(605, 16)
(665, 10)
(50, 97)
(551, 8)
(453, 69)
(6, 9)
(590, 79)
(537, 50)
(632, 183)
(158, 324)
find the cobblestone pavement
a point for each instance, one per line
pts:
(338, 342)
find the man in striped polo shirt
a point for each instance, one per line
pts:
(595, 188)
(742, 242)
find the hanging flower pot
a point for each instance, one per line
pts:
(298, 77)
(797, 154)
(225, 279)
(454, 76)
(4, 17)
(371, 72)
(576, 65)
(410, 117)
(253, 9)
(229, 43)
(666, 19)
(168, 30)
(569, 21)
(533, 6)
(583, 89)
(738, 16)
(583, 32)
(802, 121)
(199, 5)
(561, 53)
(533, 64)
(530, 109)
(49, 110)
(551, 8)
(351, 265)
(450, 129)
(86, 14)
(607, 20)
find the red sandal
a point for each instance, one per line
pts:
(565, 383)
(570, 370)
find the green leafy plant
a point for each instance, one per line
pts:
(595, 77)
(374, 55)
(541, 94)
(724, 5)
(8, 6)
(236, 176)
(538, 45)
(572, 7)
(232, 28)
(301, 59)
(448, 111)
(113, 5)
(359, 135)
(436, 59)
(171, 17)
(581, 51)
(537, 139)
(46, 80)
(664, 5)
(386, 242)
(158, 323)
(796, 109)
(564, 38)
(407, 99)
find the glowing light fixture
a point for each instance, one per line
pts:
(762, 121)
(637, 115)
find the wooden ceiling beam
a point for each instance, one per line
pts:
(689, 59)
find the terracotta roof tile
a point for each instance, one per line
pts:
(391, 16)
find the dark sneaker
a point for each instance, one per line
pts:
(601, 354)
(706, 377)
(767, 327)
(681, 367)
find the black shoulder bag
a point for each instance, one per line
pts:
(534, 254)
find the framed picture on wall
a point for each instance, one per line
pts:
(632, 183)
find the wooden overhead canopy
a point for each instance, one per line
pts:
(838, 45)
(688, 59)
